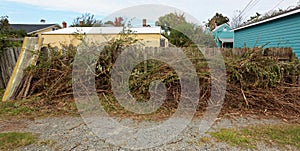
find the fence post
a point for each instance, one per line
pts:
(1, 80)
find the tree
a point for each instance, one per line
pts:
(4, 23)
(182, 33)
(85, 20)
(6, 33)
(217, 20)
(170, 20)
(237, 20)
(119, 22)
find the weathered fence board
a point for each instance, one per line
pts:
(283, 54)
(28, 56)
(8, 60)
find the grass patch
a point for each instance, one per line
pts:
(248, 137)
(234, 138)
(37, 107)
(49, 143)
(14, 108)
(14, 140)
(205, 139)
(1, 93)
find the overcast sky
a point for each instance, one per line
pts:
(31, 11)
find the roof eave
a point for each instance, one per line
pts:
(33, 32)
(221, 26)
(93, 33)
(268, 20)
(135, 31)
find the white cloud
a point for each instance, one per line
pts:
(200, 9)
(95, 6)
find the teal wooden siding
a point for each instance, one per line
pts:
(282, 32)
(220, 33)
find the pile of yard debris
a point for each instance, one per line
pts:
(255, 83)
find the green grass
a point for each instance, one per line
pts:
(1, 93)
(234, 138)
(14, 140)
(37, 107)
(248, 137)
(14, 108)
(49, 143)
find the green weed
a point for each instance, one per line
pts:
(14, 140)
(247, 137)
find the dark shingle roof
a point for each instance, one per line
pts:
(30, 28)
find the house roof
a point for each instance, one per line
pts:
(32, 28)
(221, 26)
(103, 30)
(291, 12)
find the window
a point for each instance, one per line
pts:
(162, 42)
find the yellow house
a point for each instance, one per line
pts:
(147, 36)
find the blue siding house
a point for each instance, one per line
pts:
(223, 36)
(279, 31)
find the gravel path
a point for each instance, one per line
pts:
(71, 133)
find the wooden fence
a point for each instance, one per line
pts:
(282, 54)
(8, 59)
